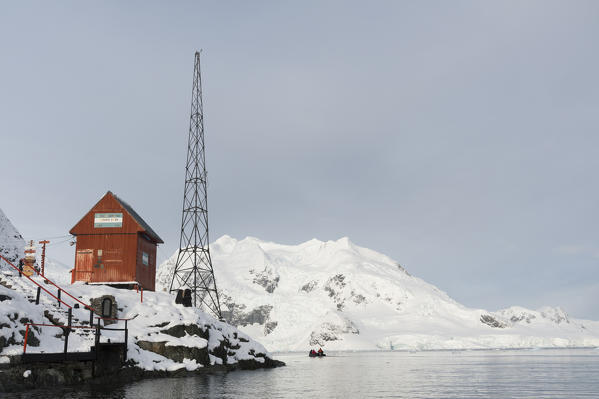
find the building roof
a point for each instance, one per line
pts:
(151, 233)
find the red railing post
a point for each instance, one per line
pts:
(44, 242)
(142, 294)
(25, 340)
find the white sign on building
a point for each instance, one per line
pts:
(108, 220)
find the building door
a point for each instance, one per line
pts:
(84, 263)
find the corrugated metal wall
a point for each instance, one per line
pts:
(146, 274)
(113, 257)
(115, 253)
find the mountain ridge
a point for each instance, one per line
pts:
(339, 295)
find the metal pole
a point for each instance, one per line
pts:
(97, 336)
(67, 331)
(25, 340)
(66, 340)
(59, 291)
(126, 340)
(37, 297)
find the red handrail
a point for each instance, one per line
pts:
(35, 282)
(77, 299)
(59, 325)
(62, 290)
(66, 292)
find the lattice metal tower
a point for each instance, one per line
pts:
(193, 269)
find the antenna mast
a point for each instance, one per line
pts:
(193, 269)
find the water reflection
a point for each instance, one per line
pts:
(475, 374)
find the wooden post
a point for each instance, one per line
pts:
(44, 242)
(59, 291)
(37, 297)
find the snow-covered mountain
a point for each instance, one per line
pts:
(12, 245)
(340, 296)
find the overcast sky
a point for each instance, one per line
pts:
(459, 138)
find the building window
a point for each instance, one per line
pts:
(106, 307)
(145, 258)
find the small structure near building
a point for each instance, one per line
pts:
(115, 246)
(29, 259)
(106, 307)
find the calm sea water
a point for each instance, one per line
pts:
(463, 374)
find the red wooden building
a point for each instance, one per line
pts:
(115, 246)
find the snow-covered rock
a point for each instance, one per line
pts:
(338, 295)
(12, 245)
(162, 335)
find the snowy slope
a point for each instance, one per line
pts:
(153, 322)
(11, 243)
(340, 296)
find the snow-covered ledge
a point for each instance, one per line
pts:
(164, 339)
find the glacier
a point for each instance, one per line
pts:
(340, 296)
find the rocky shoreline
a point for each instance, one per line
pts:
(19, 377)
(165, 340)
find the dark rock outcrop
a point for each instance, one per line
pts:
(491, 321)
(269, 327)
(332, 332)
(176, 352)
(180, 330)
(236, 315)
(309, 286)
(267, 279)
(334, 287)
(180, 352)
